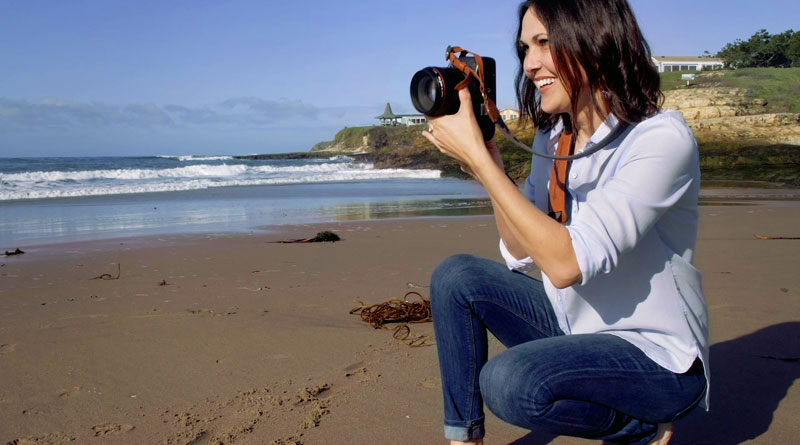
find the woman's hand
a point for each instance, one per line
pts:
(459, 136)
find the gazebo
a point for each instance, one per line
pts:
(388, 118)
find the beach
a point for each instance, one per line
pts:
(232, 338)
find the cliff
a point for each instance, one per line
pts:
(405, 147)
(747, 123)
(732, 114)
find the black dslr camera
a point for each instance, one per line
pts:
(433, 90)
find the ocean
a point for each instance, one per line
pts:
(52, 200)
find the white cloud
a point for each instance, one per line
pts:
(53, 114)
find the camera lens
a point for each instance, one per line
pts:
(432, 90)
(426, 91)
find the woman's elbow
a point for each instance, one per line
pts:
(565, 276)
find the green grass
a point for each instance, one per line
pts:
(780, 87)
(672, 80)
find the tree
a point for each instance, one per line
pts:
(793, 49)
(763, 50)
(736, 54)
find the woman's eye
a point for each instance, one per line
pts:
(542, 42)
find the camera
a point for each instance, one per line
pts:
(433, 91)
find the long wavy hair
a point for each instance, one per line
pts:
(595, 44)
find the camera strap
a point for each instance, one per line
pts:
(455, 60)
(494, 114)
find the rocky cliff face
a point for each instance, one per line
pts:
(345, 146)
(730, 114)
(737, 139)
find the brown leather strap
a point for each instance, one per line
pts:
(491, 107)
(558, 179)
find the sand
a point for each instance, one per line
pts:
(233, 339)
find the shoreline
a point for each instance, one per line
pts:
(249, 340)
(718, 194)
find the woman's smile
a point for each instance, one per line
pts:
(543, 83)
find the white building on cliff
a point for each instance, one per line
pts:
(667, 64)
(388, 118)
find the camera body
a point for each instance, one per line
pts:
(433, 91)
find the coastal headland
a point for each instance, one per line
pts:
(746, 123)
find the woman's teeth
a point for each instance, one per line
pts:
(542, 82)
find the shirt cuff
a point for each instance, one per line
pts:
(585, 265)
(511, 262)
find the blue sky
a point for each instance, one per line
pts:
(120, 78)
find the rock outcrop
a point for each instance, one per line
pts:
(731, 114)
(737, 139)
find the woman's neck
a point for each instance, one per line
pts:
(588, 119)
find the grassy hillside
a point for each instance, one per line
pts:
(349, 136)
(779, 86)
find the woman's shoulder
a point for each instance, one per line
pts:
(667, 129)
(666, 121)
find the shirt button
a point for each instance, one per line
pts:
(574, 175)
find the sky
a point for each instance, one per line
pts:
(177, 77)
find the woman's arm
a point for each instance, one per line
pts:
(526, 230)
(509, 240)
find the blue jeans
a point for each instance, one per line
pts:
(595, 386)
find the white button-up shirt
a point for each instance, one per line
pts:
(633, 224)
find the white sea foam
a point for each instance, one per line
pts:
(191, 171)
(197, 158)
(60, 184)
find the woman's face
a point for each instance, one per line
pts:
(539, 67)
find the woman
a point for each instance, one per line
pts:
(612, 344)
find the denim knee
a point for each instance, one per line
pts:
(507, 392)
(451, 275)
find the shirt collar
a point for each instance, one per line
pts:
(601, 132)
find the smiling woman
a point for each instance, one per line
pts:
(621, 82)
(612, 343)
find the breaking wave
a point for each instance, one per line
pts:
(73, 183)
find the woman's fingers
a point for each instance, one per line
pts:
(456, 135)
(466, 102)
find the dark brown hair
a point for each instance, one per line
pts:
(595, 44)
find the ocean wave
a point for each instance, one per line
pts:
(41, 191)
(197, 158)
(191, 171)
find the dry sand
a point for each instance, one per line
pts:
(232, 339)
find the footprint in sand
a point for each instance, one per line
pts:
(111, 428)
(231, 311)
(259, 409)
(430, 383)
(6, 348)
(69, 392)
(40, 438)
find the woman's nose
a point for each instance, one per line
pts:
(532, 62)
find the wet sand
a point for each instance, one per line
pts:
(234, 339)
